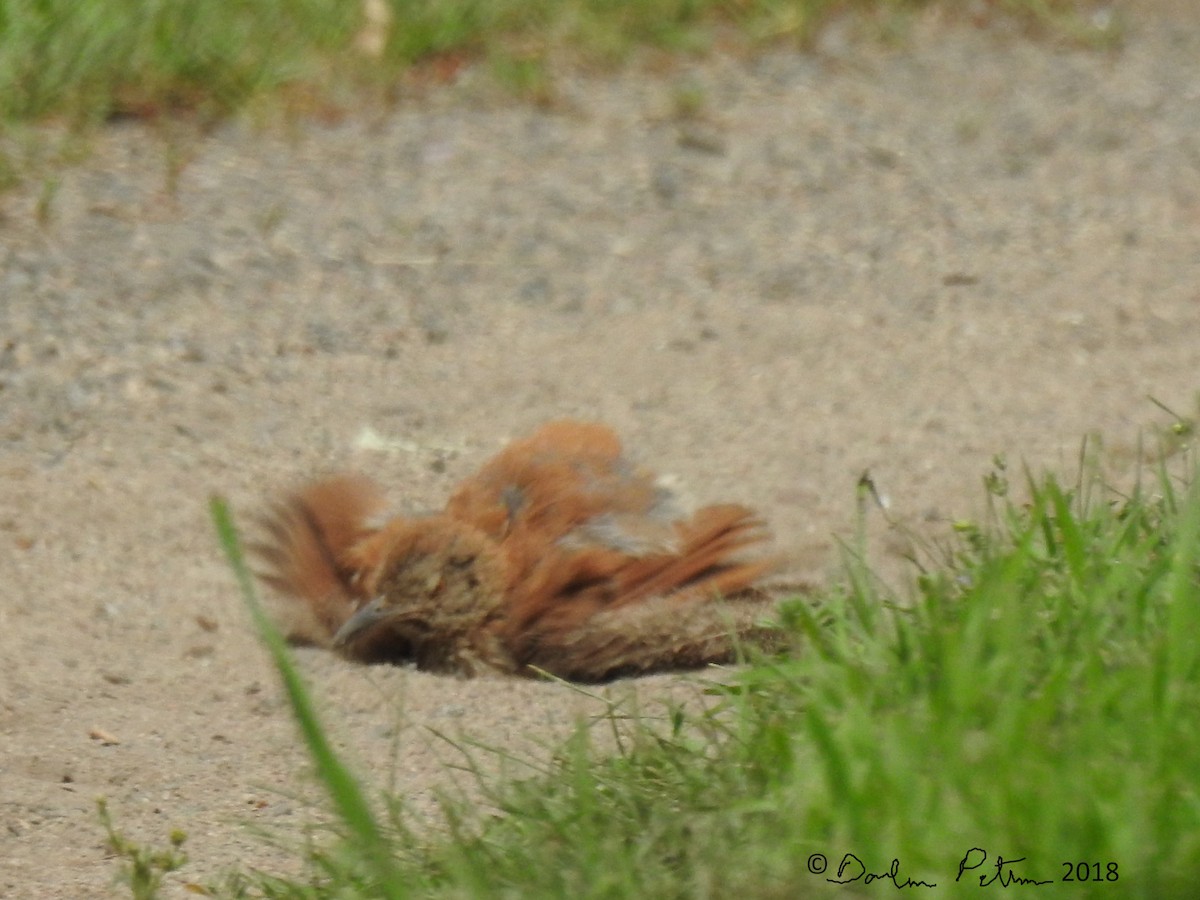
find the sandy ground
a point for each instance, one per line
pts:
(900, 259)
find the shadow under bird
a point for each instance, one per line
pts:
(558, 555)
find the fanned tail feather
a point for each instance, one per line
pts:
(705, 565)
(573, 589)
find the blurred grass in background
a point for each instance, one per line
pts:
(89, 61)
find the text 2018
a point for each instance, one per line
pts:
(1082, 871)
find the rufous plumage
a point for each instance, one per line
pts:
(559, 555)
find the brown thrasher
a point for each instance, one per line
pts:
(558, 555)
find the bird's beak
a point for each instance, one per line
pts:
(371, 614)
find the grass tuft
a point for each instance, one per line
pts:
(142, 868)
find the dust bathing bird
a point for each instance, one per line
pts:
(558, 555)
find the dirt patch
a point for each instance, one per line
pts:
(902, 260)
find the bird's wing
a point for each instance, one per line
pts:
(305, 544)
(563, 475)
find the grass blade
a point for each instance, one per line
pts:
(347, 796)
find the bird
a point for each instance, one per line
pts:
(560, 557)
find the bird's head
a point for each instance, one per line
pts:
(437, 589)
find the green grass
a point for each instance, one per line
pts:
(1033, 698)
(186, 65)
(92, 60)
